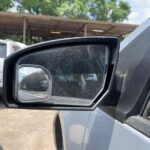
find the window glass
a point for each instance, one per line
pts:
(3, 50)
(146, 113)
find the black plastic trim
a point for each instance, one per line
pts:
(139, 123)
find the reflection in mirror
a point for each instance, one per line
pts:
(33, 84)
(78, 72)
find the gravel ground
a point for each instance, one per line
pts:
(26, 130)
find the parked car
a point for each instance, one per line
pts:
(106, 99)
(7, 47)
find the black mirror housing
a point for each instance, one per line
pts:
(82, 74)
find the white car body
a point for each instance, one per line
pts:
(7, 47)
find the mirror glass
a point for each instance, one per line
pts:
(33, 84)
(78, 72)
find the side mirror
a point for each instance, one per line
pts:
(71, 73)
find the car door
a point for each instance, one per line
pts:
(128, 128)
(103, 129)
(105, 133)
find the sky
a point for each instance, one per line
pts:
(140, 11)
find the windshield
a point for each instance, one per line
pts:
(3, 50)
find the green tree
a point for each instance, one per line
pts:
(105, 10)
(45, 7)
(5, 5)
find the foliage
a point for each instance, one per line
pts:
(46, 7)
(105, 10)
(5, 5)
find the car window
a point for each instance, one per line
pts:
(3, 50)
(141, 122)
(146, 113)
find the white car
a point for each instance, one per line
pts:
(7, 47)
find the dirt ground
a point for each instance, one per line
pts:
(26, 130)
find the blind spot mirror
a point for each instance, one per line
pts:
(33, 84)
